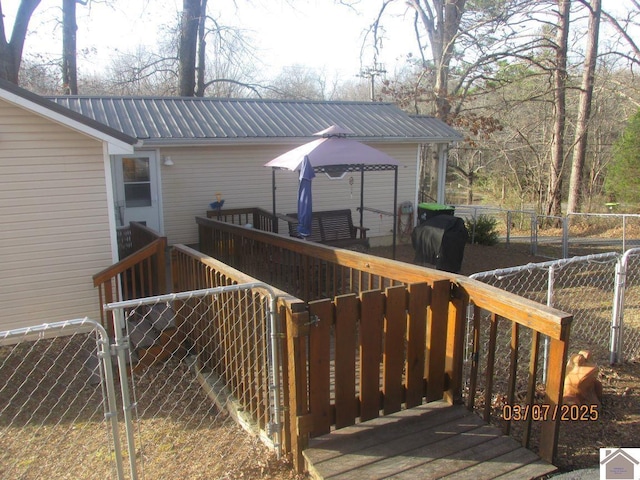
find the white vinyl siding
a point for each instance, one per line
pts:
(238, 173)
(54, 224)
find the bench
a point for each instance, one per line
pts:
(332, 227)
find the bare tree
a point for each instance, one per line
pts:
(69, 46)
(187, 50)
(554, 192)
(584, 109)
(11, 51)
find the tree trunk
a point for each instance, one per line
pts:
(441, 19)
(187, 47)
(69, 53)
(554, 193)
(11, 51)
(584, 111)
(202, 49)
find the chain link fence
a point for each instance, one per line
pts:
(194, 374)
(576, 234)
(582, 286)
(57, 403)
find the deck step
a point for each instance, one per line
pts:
(426, 442)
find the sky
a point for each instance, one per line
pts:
(315, 33)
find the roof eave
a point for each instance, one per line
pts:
(173, 142)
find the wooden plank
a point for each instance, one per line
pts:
(491, 356)
(297, 378)
(456, 344)
(419, 298)
(460, 460)
(409, 452)
(395, 325)
(371, 325)
(381, 430)
(437, 327)
(536, 469)
(558, 350)
(383, 457)
(507, 463)
(321, 312)
(345, 361)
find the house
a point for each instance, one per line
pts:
(57, 221)
(75, 168)
(618, 464)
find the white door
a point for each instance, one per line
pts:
(136, 188)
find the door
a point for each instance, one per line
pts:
(136, 189)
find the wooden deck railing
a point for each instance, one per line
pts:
(360, 306)
(141, 274)
(256, 217)
(233, 344)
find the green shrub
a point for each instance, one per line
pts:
(485, 232)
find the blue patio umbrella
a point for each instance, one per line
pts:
(305, 203)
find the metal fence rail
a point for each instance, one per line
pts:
(602, 291)
(193, 373)
(625, 338)
(558, 236)
(57, 403)
(203, 372)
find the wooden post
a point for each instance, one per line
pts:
(438, 316)
(297, 332)
(553, 397)
(459, 302)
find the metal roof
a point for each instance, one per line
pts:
(189, 120)
(34, 99)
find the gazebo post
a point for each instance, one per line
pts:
(273, 193)
(395, 207)
(362, 196)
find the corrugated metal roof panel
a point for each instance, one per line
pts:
(163, 119)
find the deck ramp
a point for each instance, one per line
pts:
(431, 441)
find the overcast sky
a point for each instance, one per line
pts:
(316, 33)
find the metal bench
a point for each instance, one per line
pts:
(331, 227)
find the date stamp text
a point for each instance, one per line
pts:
(544, 412)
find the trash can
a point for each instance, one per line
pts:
(440, 241)
(430, 210)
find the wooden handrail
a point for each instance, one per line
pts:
(142, 273)
(313, 271)
(126, 263)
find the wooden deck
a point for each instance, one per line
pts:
(430, 441)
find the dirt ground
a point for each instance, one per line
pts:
(618, 424)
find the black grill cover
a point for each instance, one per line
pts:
(440, 241)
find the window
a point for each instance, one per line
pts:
(137, 182)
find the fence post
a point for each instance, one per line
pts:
(121, 347)
(565, 236)
(553, 396)
(300, 421)
(534, 234)
(615, 350)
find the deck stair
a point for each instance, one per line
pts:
(153, 335)
(434, 440)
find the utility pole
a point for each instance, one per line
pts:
(371, 73)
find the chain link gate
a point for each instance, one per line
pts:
(195, 372)
(58, 409)
(202, 370)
